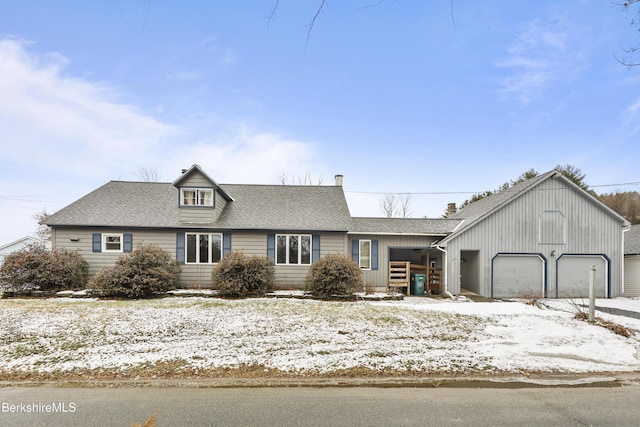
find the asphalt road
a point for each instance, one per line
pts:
(365, 406)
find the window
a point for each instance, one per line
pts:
(112, 243)
(196, 197)
(365, 255)
(293, 249)
(203, 248)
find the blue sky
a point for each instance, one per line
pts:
(440, 99)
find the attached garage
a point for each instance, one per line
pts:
(573, 272)
(518, 275)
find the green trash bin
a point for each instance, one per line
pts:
(417, 284)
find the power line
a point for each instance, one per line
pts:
(444, 193)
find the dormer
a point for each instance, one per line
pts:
(200, 198)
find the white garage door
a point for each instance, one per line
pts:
(632, 276)
(516, 275)
(573, 276)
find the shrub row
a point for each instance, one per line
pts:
(149, 270)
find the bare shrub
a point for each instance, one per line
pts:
(333, 275)
(145, 271)
(238, 275)
(37, 268)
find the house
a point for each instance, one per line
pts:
(538, 237)
(20, 244)
(632, 262)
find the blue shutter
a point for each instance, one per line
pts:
(180, 247)
(226, 244)
(96, 242)
(374, 254)
(127, 245)
(271, 247)
(355, 251)
(315, 247)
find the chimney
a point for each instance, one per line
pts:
(339, 180)
(451, 209)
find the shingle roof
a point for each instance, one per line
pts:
(632, 241)
(476, 210)
(148, 204)
(416, 226)
(122, 204)
(286, 207)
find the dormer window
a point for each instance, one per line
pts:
(196, 197)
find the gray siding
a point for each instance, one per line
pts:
(97, 260)
(196, 180)
(632, 276)
(200, 214)
(523, 227)
(292, 276)
(378, 280)
(193, 275)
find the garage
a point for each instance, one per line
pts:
(517, 275)
(573, 275)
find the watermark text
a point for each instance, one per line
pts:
(38, 407)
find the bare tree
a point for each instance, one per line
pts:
(396, 205)
(389, 204)
(43, 232)
(626, 204)
(147, 174)
(631, 56)
(306, 179)
(404, 208)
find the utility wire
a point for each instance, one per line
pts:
(436, 193)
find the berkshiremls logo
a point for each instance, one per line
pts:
(37, 407)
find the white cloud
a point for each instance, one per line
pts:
(632, 117)
(65, 136)
(537, 58)
(56, 122)
(242, 156)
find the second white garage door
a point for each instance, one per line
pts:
(517, 275)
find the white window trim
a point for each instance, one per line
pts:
(197, 190)
(299, 236)
(360, 242)
(197, 261)
(105, 236)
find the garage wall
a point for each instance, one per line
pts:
(632, 276)
(551, 219)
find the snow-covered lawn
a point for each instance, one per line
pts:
(306, 337)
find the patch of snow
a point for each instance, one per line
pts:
(302, 335)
